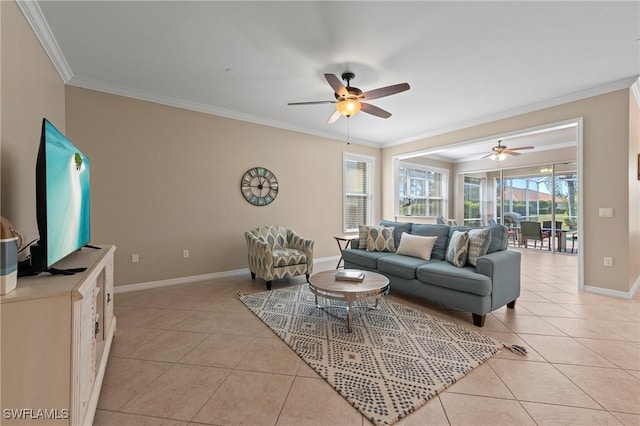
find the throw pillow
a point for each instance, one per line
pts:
(380, 238)
(479, 240)
(363, 231)
(416, 246)
(458, 249)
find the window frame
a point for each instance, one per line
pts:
(444, 188)
(370, 195)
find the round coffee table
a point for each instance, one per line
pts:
(325, 285)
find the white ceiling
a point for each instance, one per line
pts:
(466, 62)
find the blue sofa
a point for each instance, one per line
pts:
(491, 284)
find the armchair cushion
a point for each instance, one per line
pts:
(287, 257)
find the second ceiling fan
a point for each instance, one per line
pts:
(349, 99)
(500, 151)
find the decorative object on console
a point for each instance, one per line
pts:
(259, 186)
(11, 241)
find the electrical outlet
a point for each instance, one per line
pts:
(135, 258)
(185, 254)
(608, 261)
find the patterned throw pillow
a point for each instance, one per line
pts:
(363, 232)
(380, 238)
(416, 246)
(479, 240)
(458, 249)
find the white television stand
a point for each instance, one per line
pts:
(56, 333)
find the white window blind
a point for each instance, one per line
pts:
(358, 190)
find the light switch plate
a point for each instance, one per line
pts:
(605, 212)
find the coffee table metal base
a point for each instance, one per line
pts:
(349, 299)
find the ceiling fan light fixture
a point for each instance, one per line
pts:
(348, 107)
(502, 156)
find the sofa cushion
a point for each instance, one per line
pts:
(479, 240)
(363, 231)
(398, 229)
(440, 231)
(458, 249)
(416, 246)
(367, 259)
(499, 238)
(400, 266)
(444, 274)
(380, 238)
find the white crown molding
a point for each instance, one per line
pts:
(635, 89)
(194, 106)
(576, 96)
(33, 14)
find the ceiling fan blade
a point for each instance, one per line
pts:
(336, 85)
(311, 103)
(334, 117)
(510, 152)
(521, 148)
(385, 91)
(486, 156)
(374, 110)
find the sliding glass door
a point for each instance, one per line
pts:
(546, 195)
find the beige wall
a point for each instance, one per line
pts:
(634, 187)
(605, 149)
(166, 179)
(31, 90)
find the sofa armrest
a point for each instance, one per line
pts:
(503, 267)
(355, 243)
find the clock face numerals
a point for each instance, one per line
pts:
(259, 186)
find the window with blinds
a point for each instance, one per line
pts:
(358, 191)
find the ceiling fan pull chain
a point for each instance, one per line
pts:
(348, 135)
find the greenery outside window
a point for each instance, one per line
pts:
(472, 201)
(358, 172)
(422, 190)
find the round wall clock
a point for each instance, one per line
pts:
(259, 186)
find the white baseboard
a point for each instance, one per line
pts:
(195, 278)
(614, 293)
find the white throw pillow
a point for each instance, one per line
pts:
(416, 246)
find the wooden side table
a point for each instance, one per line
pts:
(346, 239)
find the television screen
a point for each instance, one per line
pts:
(66, 210)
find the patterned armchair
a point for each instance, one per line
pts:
(276, 252)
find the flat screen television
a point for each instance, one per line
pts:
(62, 202)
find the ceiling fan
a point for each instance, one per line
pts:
(500, 152)
(349, 99)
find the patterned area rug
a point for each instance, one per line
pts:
(393, 361)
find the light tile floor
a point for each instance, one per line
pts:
(193, 354)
